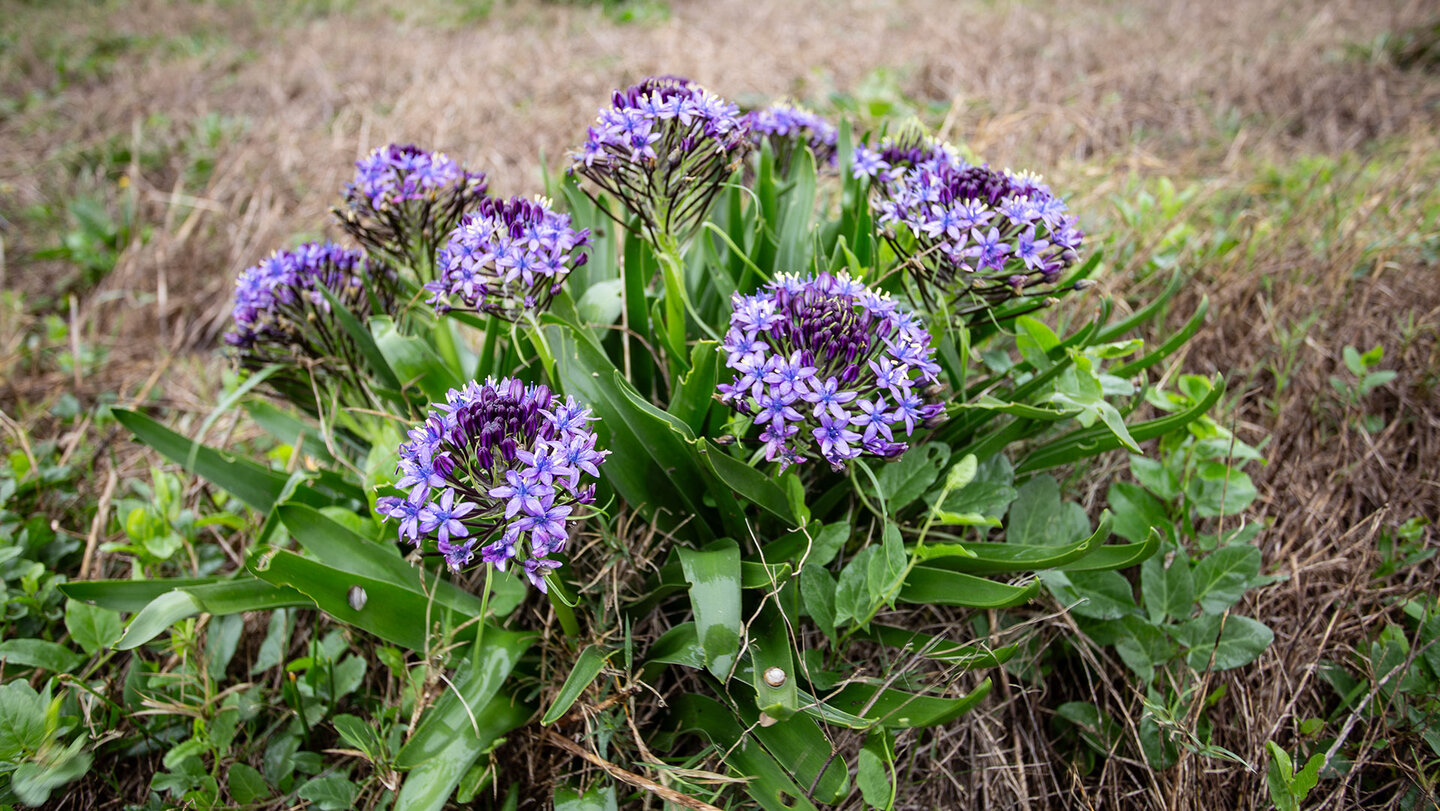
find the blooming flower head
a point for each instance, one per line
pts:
(908, 149)
(826, 365)
(495, 474)
(403, 200)
(663, 148)
(506, 258)
(282, 315)
(790, 129)
(975, 238)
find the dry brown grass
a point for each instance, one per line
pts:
(1093, 92)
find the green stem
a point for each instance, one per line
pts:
(484, 608)
(672, 272)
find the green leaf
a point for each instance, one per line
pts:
(1218, 489)
(162, 612)
(246, 784)
(1098, 595)
(992, 558)
(413, 360)
(1087, 442)
(598, 798)
(477, 685)
(1168, 591)
(1035, 340)
(602, 303)
(93, 628)
(128, 595)
(898, 709)
(854, 599)
(771, 652)
(587, 667)
(660, 470)
(333, 793)
(40, 654)
(389, 611)
(692, 399)
(927, 584)
(968, 657)
(360, 735)
(257, 486)
(1154, 476)
(1115, 556)
(817, 591)
(1222, 576)
(1136, 512)
(364, 341)
(749, 483)
(714, 577)
(873, 778)
(908, 477)
(1039, 518)
(768, 783)
(1240, 643)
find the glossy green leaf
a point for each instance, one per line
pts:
(582, 675)
(413, 360)
(772, 656)
(128, 595)
(927, 584)
(1115, 556)
(714, 577)
(259, 487)
(1098, 595)
(477, 683)
(1239, 642)
(908, 477)
(162, 612)
(329, 542)
(364, 341)
(1222, 576)
(748, 482)
(1167, 591)
(430, 783)
(991, 558)
(390, 612)
(969, 657)
(769, 784)
(872, 775)
(903, 710)
(696, 391)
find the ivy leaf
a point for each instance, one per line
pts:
(1240, 643)
(1222, 576)
(93, 628)
(1167, 591)
(905, 479)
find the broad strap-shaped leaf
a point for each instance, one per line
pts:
(1116, 555)
(431, 782)
(656, 472)
(993, 558)
(900, 709)
(714, 577)
(128, 595)
(970, 657)
(243, 593)
(927, 584)
(390, 612)
(256, 485)
(329, 542)
(476, 684)
(774, 676)
(754, 486)
(769, 783)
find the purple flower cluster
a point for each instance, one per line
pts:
(910, 149)
(506, 258)
(282, 316)
(664, 148)
(828, 363)
(976, 237)
(404, 199)
(497, 471)
(789, 129)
